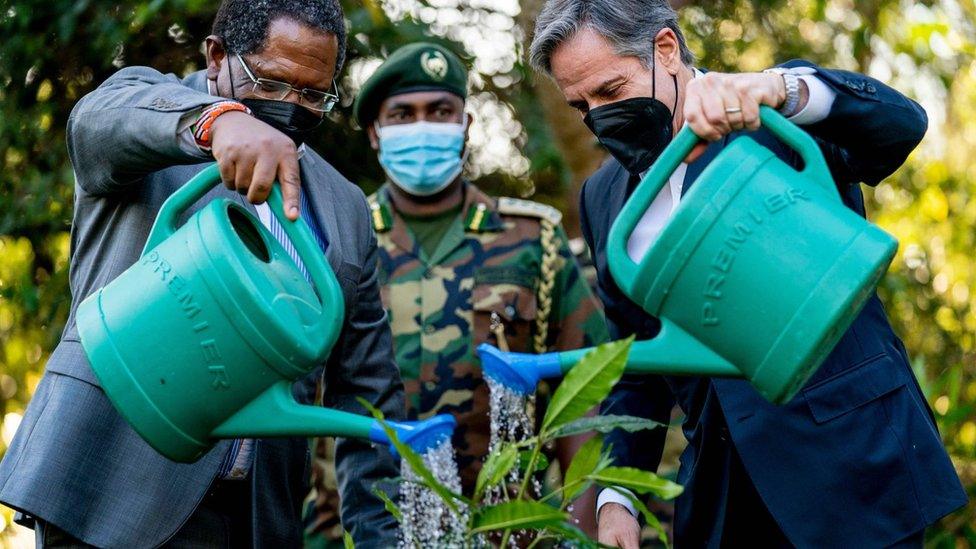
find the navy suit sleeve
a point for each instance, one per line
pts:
(648, 397)
(871, 128)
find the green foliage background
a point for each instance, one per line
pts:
(54, 51)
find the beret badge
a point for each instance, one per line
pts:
(434, 64)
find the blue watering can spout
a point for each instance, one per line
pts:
(520, 372)
(420, 436)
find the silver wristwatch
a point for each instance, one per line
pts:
(792, 82)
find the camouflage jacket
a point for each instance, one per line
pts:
(484, 279)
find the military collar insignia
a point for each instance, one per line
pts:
(480, 211)
(381, 216)
(481, 218)
(476, 217)
(434, 64)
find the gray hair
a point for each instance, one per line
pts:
(244, 24)
(629, 25)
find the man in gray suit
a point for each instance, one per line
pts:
(75, 469)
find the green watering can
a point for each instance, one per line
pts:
(202, 337)
(757, 275)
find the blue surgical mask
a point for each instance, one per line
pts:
(422, 158)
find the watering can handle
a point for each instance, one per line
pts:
(330, 319)
(814, 167)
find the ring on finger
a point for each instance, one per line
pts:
(733, 110)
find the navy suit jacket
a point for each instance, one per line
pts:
(854, 460)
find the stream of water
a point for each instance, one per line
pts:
(512, 420)
(427, 520)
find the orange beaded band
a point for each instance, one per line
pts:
(202, 130)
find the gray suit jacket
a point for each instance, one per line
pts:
(74, 461)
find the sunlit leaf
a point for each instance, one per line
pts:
(584, 463)
(642, 482)
(587, 384)
(516, 515)
(605, 424)
(498, 464)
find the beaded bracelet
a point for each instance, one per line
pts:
(203, 129)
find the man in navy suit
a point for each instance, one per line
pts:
(854, 460)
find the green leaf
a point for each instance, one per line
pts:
(495, 468)
(584, 464)
(347, 540)
(605, 424)
(570, 532)
(642, 482)
(388, 503)
(415, 461)
(586, 384)
(650, 518)
(541, 462)
(517, 515)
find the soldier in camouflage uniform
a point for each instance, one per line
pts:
(459, 268)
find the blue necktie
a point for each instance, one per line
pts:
(279, 233)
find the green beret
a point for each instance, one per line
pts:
(422, 66)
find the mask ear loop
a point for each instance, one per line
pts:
(466, 151)
(653, 72)
(230, 75)
(674, 110)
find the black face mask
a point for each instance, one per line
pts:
(634, 130)
(293, 120)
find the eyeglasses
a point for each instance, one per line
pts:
(316, 100)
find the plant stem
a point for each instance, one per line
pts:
(505, 536)
(530, 470)
(537, 540)
(525, 485)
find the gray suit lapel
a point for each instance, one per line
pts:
(323, 208)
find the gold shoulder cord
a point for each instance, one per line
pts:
(550, 253)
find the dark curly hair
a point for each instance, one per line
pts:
(243, 24)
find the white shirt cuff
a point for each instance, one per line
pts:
(820, 100)
(615, 495)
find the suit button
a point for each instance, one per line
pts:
(871, 88)
(510, 311)
(723, 434)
